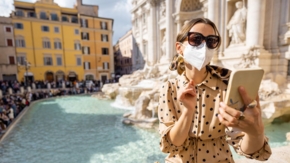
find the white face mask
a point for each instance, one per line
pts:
(198, 56)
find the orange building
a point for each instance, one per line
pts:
(96, 41)
(55, 43)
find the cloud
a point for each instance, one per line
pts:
(5, 7)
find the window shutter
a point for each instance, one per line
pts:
(89, 65)
(108, 65)
(88, 36)
(89, 52)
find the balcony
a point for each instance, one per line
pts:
(54, 17)
(31, 15)
(19, 13)
(74, 20)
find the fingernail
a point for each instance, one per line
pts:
(222, 104)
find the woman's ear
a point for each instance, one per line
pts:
(179, 48)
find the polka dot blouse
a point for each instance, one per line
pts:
(208, 140)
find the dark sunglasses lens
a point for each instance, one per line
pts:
(195, 39)
(212, 42)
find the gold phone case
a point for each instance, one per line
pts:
(250, 79)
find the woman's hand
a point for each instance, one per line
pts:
(252, 123)
(187, 95)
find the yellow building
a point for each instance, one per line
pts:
(48, 41)
(97, 47)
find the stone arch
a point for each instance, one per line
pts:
(49, 76)
(190, 5)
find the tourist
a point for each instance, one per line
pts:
(10, 112)
(195, 125)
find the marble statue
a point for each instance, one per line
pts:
(163, 49)
(236, 25)
(162, 9)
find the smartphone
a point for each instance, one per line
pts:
(250, 79)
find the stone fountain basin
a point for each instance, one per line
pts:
(276, 107)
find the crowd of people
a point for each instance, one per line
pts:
(40, 84)
(13, 102)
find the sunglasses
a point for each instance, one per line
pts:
(195, 39)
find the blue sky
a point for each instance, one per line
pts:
(119, 10)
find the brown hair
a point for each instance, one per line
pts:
(181, 36)
(178, 62)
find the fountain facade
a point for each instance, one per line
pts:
(255, 33)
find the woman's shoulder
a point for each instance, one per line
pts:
(220, 72)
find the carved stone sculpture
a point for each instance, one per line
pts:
(236, 25)
(248, 59)
(162, 9)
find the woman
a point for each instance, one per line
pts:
(195, 125)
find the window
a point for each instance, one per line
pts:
(9, 42)
(47, 61)
(59, 61)
(105, 51)
(31, 14)
(18, 25)
(85, 36)
(87, 65)
(104, 25)
(43, 16)
(105, 38)
(46, 43)
(79, 61)
(86, 50)
(74, 19)
(84, 23)
(64, 18)
(11, 60)
(45, 28)
(77, 45)
(21, 60)
(106, 66)
(20, 42)
(77, 31)
(57, 44)
(8, 29)
(56, 29)
(19, 13)
(54, 17)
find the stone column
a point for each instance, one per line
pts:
(169, 31)
(212, 14)
(140, 44)
(152, 32)
(255, 23)
(255, 32)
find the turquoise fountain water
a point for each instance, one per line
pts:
(82, 129)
